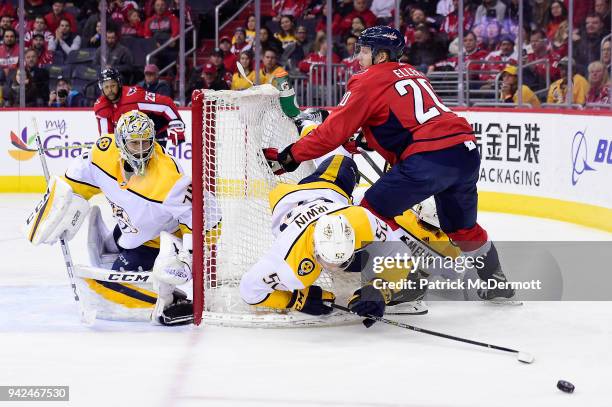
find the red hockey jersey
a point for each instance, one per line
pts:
(161, 109)
(399, 114)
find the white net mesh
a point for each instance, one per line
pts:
(236, 181)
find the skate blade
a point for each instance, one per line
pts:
(504, 301)
(406, 312)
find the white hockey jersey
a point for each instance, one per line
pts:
(143, 206)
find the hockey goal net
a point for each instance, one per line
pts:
(231, 215)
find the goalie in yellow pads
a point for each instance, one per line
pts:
(150, 197)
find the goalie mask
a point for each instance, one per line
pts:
(135, 138)
(334, 242)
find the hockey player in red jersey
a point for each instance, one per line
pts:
(432, 152)
(117, 99)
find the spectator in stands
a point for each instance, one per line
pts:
(317, 56)
(602, 9)
(162, 26)
(152, 83)
(250, 29)
(498, 60)
(360, 9)
(557, 93)
(268, 41)
(297, 51)
(6, 22)
(471, 52)
(64, 95)
(426, 50)
(57, 14)
(45, 57)
(557, 14)
(540, 13)
(293, 8)
(65, 40)
(383, 10)
(174, 9)
(351, 62)
(216, 58)
(119, 9)
(270, 67)
(541, 50)
(118, 56)
(40, 27)
(9, 50)
(450, 24)
(229, 58)
(357, 26)
(238, 81)
(6, 8)
(587, 46)
(134, 26)
(490, 9)
(94, 40)
(509, 88)
(599, 91)
(11, 96)
(210, 79)
(559, 41)
(39, 76)
(417, 17)
(286, 34)
(337, 19)
(606, 54)
(240, 43)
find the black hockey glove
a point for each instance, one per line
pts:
(280, 162)
(312, 300)
(369, 301)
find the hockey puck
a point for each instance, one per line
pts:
(565, 386)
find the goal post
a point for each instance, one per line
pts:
(231, 215)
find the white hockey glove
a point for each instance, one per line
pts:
(173, 263)
(176, 132)
(60, 211)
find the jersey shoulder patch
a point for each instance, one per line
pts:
(104, 143)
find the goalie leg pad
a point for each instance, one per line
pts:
(60, 212)
(140, 258)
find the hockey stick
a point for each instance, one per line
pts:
(366, 178)
(87, 316)
(243, 73)
(521, 356)
(370, 161)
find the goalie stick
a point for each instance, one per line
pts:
(521, 356)
(87, 316)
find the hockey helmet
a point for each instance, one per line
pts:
(135, 138)
(107, 75)
(334, 242)
(381, 38)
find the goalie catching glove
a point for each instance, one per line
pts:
(312, 300)
(60, 213)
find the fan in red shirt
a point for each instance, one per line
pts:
(432, 150)
(472, 52)
(318, 56)
(360, 9)
(54, 17)
(117, 99)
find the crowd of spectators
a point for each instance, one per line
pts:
(295, 37)
(63, 54)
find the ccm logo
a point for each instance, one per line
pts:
(128, 277)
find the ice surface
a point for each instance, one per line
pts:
(135, 364)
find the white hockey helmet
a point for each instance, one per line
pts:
(426, 211)
(135, 138)
(334, 242)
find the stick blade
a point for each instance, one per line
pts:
(525, 357)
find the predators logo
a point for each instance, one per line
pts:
(123, 220)
(306, 267)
